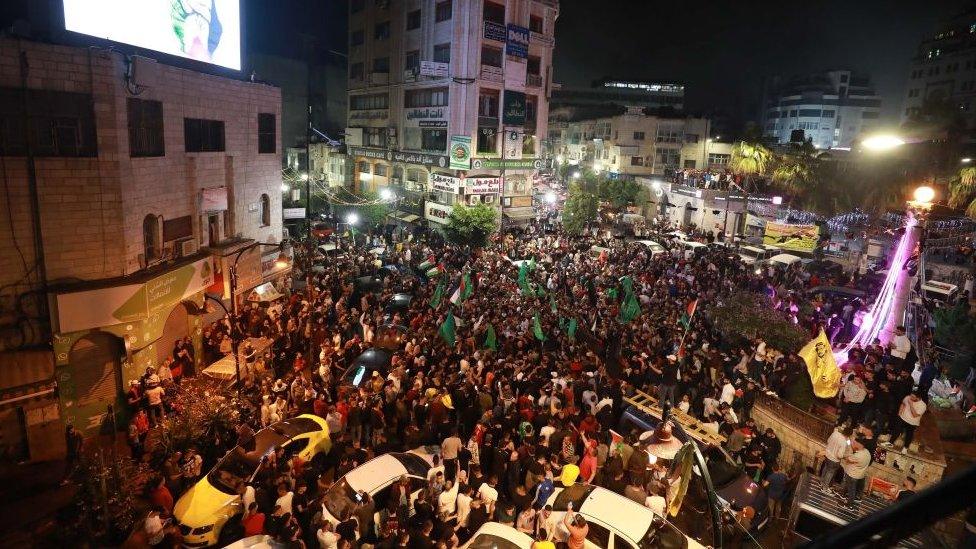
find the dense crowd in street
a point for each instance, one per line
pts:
(524, 372)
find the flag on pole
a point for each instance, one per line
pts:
(630, 310)
(490, 339)
(447, 330)
(437, 270)
(571, 329)
(523, 278)
(688, 314)
(467, 288)
(537, 328)
(428, 263)
(435, 300)
(628, 284)
(823, 370)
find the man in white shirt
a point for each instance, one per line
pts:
(728, 392)
(909, 416)
(855, 467)
(447, 501)
(489, 495)
(284, 499)
(836, 450)
(900, 345)
(463, 503)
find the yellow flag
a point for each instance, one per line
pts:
(823, 370)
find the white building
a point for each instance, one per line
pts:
(434, 85)
(635, 144)
(832, 109)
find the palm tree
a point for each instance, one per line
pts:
(794, 174)
(750, 158)
(962, 191)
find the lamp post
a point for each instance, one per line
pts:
(281, 262)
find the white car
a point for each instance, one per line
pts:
(785, 260)
(616, 522)
(652, 246)
(375, 477)
(493, 535)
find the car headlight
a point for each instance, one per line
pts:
(203, 530)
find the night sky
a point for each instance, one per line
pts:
(722, 51)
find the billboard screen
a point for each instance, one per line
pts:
(797, 238)
(202, 30)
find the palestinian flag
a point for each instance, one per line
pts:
(537, 328)
(428, 263)
(436, 271)
(447, 330)
(630, 310)
(490, 338)
(689, 313)
(462, 291)
(467, 288)
(435, 300)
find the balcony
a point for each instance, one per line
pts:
(379, 78)
(539, 38)
(410, 75)
(492, 74)
(533, 80)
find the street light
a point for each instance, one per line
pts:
(551, 197)
(923, 197)
(285, 188)
(386, 194)
(882, 142)
(352, 218)
(966, 160)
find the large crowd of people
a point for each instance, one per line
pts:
(522, 372)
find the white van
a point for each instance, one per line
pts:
(752, 255)
(940, 291)
(785, 260)
(651, 246)
(694, 247)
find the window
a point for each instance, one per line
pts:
(843, 78)
(381, 31)
(668, 157)
(533, 65)
(425, 139)
(598, 535)
(203, 135)
(491, 56)
(691, 138)
(369, 102)
(145, 128)
(150, 237)
(374, 137)
(792, 114)
(638, 136)
(428, 97)
(65, 128)
(411, 61)
(810, 113)
(362, 166)
(442, 53)
(488, 103)
(535, 24)
(442, 11)
(636, 160)
(265, 210)
(487, 140)
(380, 170)
(718, 159)
(669, 135)
(494, 12)
(827, 114)
(689, 163)
(356, 71)
(531, 111)
(413, 20)
(356, 6)
(267, 140)
(357, 37)
(381, 65)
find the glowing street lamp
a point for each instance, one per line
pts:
(883, 142)
(386, 194)
(352, 218)
(551, 197)
(922, 197)
(284, 187)
(966, 160)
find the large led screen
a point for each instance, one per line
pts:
(203, 30)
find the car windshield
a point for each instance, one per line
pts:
(721, 471)
(339, 499)
(491, 541)
(297, 426)
(414, 464)
(663, 535)
(576, 493)
(750, 253)
(231, 471)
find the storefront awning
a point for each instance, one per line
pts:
(405, 216)
(264, 293)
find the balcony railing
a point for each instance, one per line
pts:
(493, 74)
(810, 425)
(533, 80)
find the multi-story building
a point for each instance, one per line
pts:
(832, 108)
(448, 100)
(130, 186)
(608, 97)
(944, 71)
(635, 144)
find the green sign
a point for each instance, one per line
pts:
(513, 108)
(460, 152)
(510, 163)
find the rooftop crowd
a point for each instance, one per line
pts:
(534, 379)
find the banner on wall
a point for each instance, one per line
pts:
(460, 152)
(799, 238)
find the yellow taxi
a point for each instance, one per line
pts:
(203, 510)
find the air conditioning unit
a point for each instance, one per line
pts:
(188, 247)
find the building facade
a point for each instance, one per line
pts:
(635, 144)
(832, 109)
(609, 97)
(448, 100)
(128, 197)
(944, 71)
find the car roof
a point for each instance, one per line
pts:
(624, 515)
(648, 243)
(785, 258)
(375, 473)
(505, 532)
(752, 249)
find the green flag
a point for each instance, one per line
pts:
(630, 310)
(539, 290)
(523, 278)
(435, 300)
(552, 304)
(628, 284)
(490, 341)
(532, 263)
(612, 293)
(571, 329)
(466, 287)
(537, 328)
(447, 330)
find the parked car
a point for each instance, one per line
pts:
(363, 367)
(375, 477)
(651, 246)
(495, 535)
(784, 260)
(204, 509)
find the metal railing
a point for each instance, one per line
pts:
(810, 425)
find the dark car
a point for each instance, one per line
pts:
(730, 482)
(398, 304)
(323, 230)
(825, 268)
(362, 369)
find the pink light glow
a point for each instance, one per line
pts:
(877, 318)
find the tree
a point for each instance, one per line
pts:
(581, 207)
(955, 329)
(751, 315)
(471, 225)
(621, 192)
(796, 171)
(962, 191)
(750, 159)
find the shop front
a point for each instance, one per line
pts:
(106, 336)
